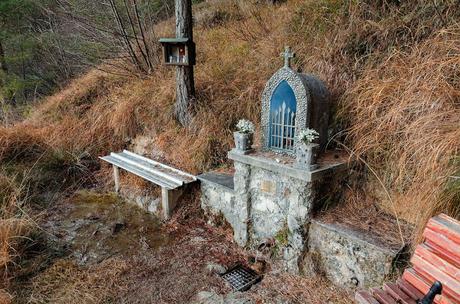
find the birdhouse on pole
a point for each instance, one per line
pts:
(178, 51)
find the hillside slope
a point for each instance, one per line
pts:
(392, 69)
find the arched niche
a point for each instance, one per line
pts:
(311, 99)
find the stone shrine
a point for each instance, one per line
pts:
(292, 102)
(268, 198)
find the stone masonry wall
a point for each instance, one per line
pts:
(277, 205)
(219, 200)
(349, 259)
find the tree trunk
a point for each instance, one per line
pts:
(185, 83)
(4, 69)
(3, 66)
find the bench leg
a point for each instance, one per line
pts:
(116, 178)
(169, 199)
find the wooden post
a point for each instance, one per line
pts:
(185, 83)
(116, 178)
(169, 199)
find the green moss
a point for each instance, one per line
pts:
(281, 240)
(282, 237)
(89, 197)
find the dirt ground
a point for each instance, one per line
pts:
(95, 248)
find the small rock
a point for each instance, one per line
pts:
(216, 268)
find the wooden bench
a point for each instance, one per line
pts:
(170, 180)
(437, 259)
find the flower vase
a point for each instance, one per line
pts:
(306, 156)
(243, 142)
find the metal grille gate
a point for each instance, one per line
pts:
(282, 128)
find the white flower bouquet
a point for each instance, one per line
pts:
(245, 126)
(308, 136)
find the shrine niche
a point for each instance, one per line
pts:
(292, 102)
(178, 51)
(268, 193)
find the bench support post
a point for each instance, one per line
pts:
(169, 200)
(116, 178)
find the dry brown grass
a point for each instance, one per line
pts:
(11, 232)
(14, 229)
(23, 142)
(5, 298)
(299, 290)
(65, 282)
(391, 70)
(407, 125)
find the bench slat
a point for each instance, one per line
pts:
(413, 278)
(363, 297)
(400, 296)
(442, 246)
(450, 286)
(437, 259)
(413, 292)
(446, 226)
(186, 176)
(148, 168)
(382, 296)
(429, 255)
(135, 170)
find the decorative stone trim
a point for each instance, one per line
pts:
(303, 99)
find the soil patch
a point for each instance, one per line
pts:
(114, 252)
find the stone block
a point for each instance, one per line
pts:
(348, 258)
(142, 198)
(218, 198)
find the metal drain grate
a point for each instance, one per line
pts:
(241, 278)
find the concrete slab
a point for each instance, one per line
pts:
(286, 169)
(222, 179)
